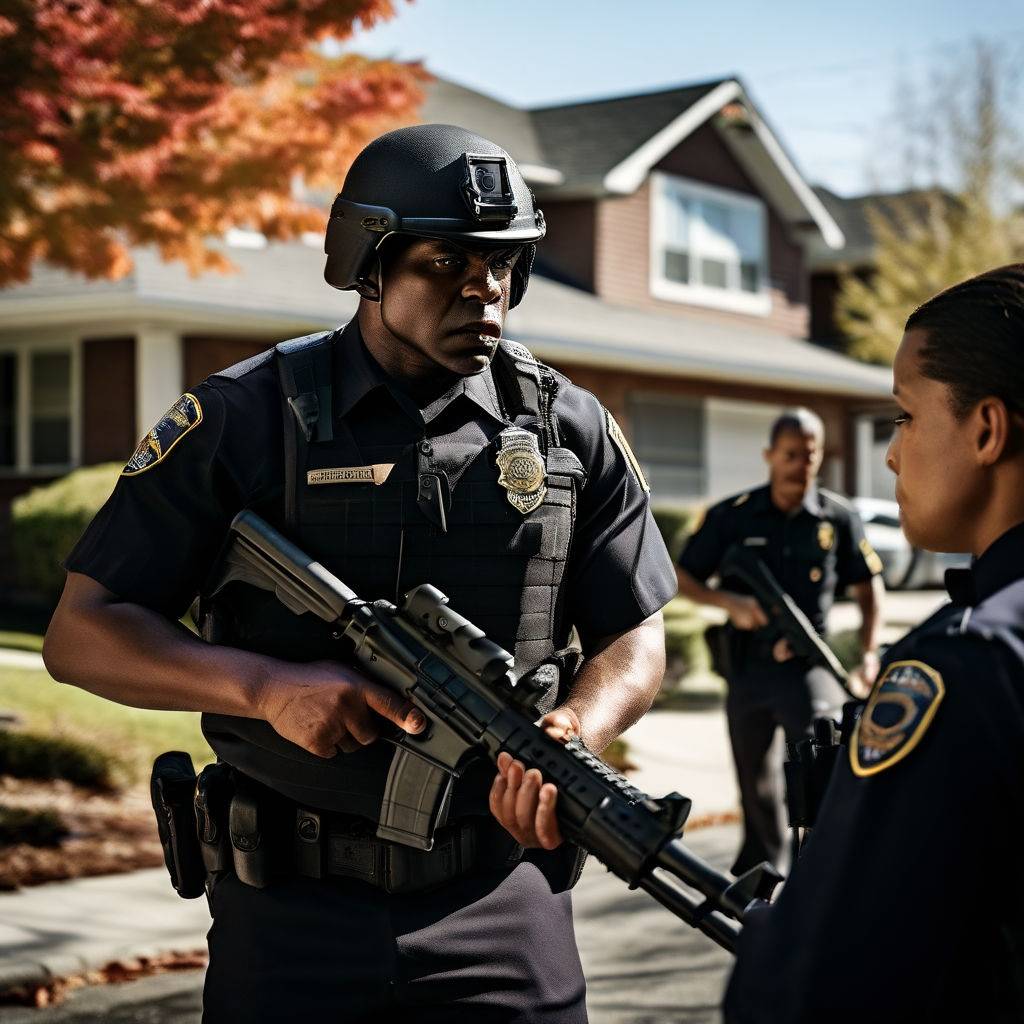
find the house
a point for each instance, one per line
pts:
(673, 283)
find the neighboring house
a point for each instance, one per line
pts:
(673, 283)
(857, 256)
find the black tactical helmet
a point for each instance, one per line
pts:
(431, 181)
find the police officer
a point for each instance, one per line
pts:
(813, 542)
(907, 903)
(418, 446)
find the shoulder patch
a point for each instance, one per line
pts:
(741, 500)
(616, 434)
(871, 559)
(185, 415)
(898, 713)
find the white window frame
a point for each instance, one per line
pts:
(733, 298)
(23, 350)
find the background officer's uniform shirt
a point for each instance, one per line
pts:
(813, 553)
(159, 534)
(893, 912)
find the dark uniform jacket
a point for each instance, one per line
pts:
(907, 902)
(220, 450)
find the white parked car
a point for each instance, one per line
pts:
(903, 566)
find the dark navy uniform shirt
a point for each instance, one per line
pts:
(907, 902)
(813, 553)
(157, 536)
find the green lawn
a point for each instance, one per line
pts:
(21, 641)
(132, 735)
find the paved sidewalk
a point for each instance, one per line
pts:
(10, 658)
(51, 931)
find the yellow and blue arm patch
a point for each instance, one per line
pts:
(898, 713)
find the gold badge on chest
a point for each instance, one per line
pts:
(826, 535)
(521, 469)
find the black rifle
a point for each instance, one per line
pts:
(785, 615)
(463, 683)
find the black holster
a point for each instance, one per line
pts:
(172, 789)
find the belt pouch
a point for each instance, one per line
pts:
(213, 798)
(251, 833)
(172, 790)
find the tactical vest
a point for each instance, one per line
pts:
(439, 517)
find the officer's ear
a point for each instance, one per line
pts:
(367, 288)
(992, 427)
(368, 284)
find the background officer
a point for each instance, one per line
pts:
(813, 542)
(907, 903)
(417, 447)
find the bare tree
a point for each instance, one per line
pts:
(962, 156)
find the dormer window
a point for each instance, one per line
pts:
(708, 246)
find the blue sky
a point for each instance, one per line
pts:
(824, 74)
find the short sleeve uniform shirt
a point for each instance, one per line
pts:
(221, 450)
(813, 553)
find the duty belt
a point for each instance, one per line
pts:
(262, 836)
(325, 846)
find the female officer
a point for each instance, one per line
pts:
(908, 904)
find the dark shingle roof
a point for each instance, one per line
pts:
(451, 103)
(851, 214)
(586, 140)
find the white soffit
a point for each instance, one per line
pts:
(540, 174)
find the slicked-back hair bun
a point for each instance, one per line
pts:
(975, 342)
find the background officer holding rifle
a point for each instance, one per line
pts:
(812, 542)
(412, 446)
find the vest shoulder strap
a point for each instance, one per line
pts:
(304, 366)
(528, 387)
(305, 371)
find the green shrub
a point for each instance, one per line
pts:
(846, 645)
(675, 523)
(46, 522)
(37, 828)
(686, 652)
(26, 755)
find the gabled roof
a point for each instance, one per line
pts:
(609, 146)
(588, 140)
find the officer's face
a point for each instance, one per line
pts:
(446, 305)
(940, 487)
(793, 463)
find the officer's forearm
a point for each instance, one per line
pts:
(135, 656)
(618, 682)
(690, 587)
(870, 595)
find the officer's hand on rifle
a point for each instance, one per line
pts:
(521, 801)
(325, 707)
(781, 651)
(744, 612)
(862, 678)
